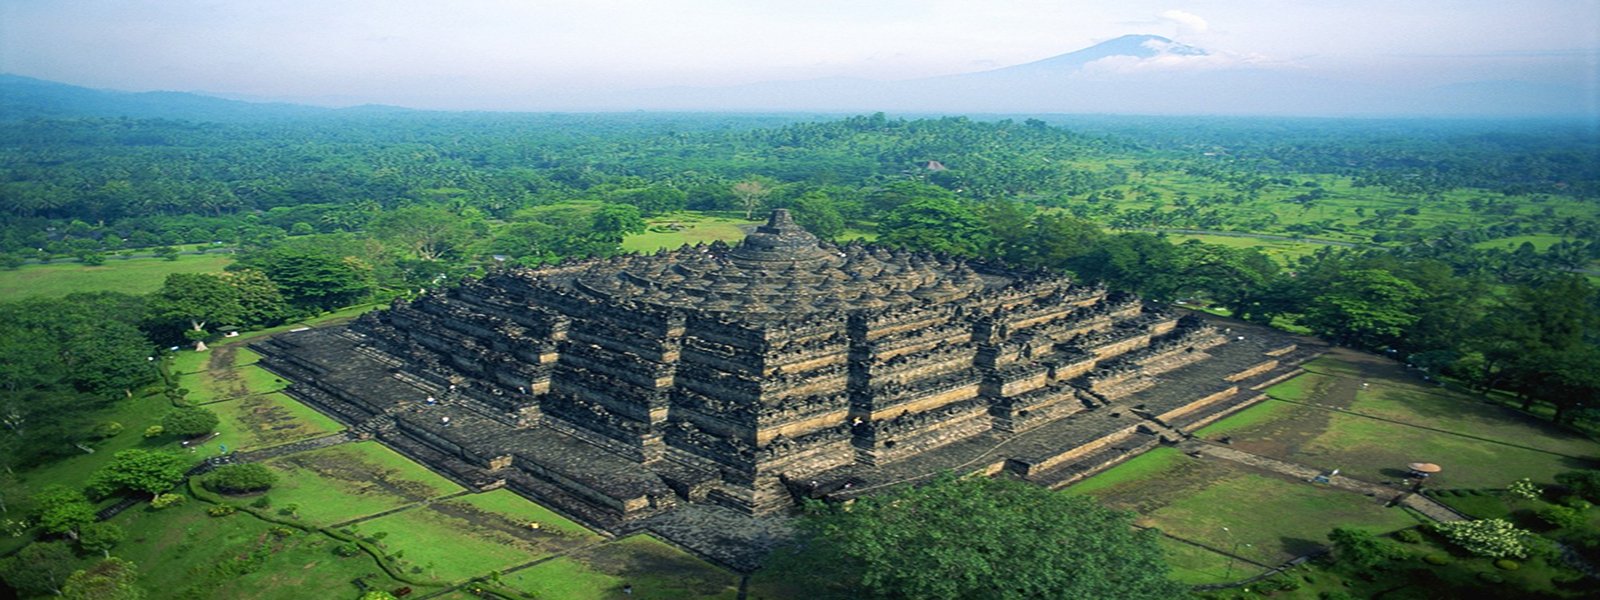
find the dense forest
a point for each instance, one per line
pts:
(1461, 245)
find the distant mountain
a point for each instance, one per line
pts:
(1133, 74)
(27, 98)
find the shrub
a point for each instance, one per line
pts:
(154, 431)
(1409, 536)
(1437, 560)
(189, 422)
(1506, 564)
(1562, 517)
(1492, 538)
(262, 502)
(289, 510)
(240, 478)
(1524, 488)
(1583, 483)
(1576, 502)
(108, 429)
(167, 500)
(347, 549)
(221, 510)
(280, 531)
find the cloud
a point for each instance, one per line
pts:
(1185, 20)
(1175, 57)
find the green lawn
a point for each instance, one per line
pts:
(1283, 251)
(336, 484)
(1480, 444)
(229, 383)
(691, 229)
(182, 553)
(1198, 566)
(1301, 514)
(266, 420)
(1137, 468)
(135, 414)
(1453, 412)
(1260, 413)
(132, 276)
(1378, 451)
(655, 569)
(222, 355)
(469, 536)
(1541, 242)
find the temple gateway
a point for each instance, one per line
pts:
(740, 379)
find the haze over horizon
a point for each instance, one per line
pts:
(494, 55)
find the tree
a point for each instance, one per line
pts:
(139, 471)
(188, 422)
(975, 538)
(109, 579)
(1362, 549)
(260, 301)
(198, 299)
(942, 225)
(1583, 483)
(1493, 538)
(62, 511)
(38, 569)
(1369, 308)
(750, 193)
(100, 537)
(240, 478)
(312, 277)
(428, 232)
(618, 220)
(818, 214)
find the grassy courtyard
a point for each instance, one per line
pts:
(465, 537)
(1362, 414)
(346, 482)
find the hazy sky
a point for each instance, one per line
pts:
(494, 54)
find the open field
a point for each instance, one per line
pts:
(1219, 505)
(182, 553)
(340, 483)
(132, 276)
(1283, 251)
(1367, 416)
(691, 229)
(1344, 212)
(1360, 413)
(217, 385)
(465, 537)
(265, 420)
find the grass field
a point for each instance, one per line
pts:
(228, 383)
(691, 229)
(345, 482)
(265, 420)
(655, 569)
(465, 537)
(1283, 251)
(1360, 413)
(133, 275)
(1369, 417)
(183, 553)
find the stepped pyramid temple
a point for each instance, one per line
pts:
(687, 391)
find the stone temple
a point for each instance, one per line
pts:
(725, 380)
